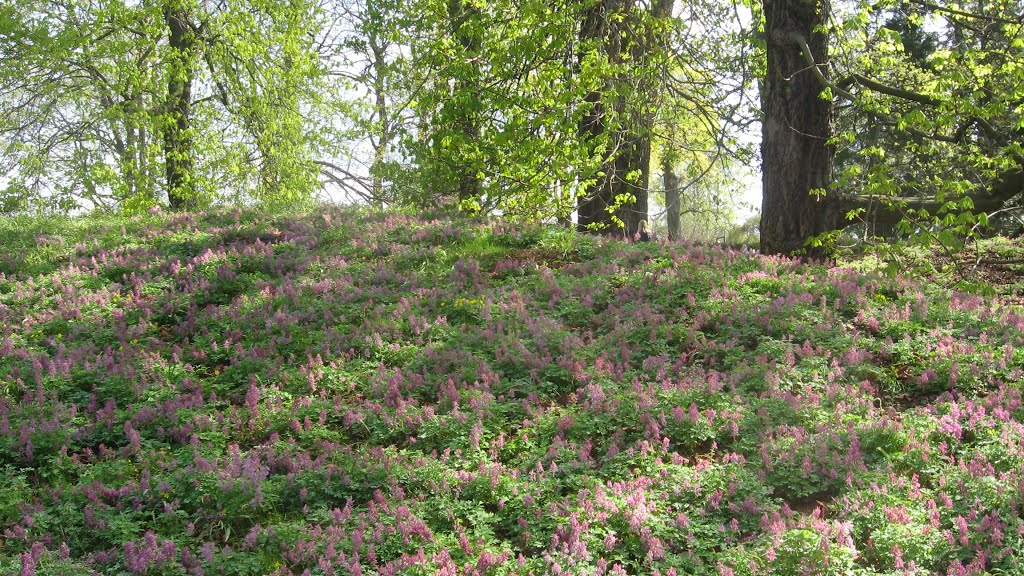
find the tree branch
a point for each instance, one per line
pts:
(936, 8)
(805, 50)
(889, 210)
(877, 86)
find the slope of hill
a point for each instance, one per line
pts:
(352, 393)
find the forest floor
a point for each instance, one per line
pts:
(347, 392)
(992, 266)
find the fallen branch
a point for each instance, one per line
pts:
(1002, 261)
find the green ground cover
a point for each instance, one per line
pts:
(346, 392)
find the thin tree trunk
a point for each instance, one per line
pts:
(383, 136)
(671, 182)
(797, 160)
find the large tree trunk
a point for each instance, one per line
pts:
(462, 14)
(633, 168)
(797, 160)
(592, 207)
(178, 144)
(622, 189)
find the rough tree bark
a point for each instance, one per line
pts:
(797, 159)
(633, 171)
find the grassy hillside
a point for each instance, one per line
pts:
(351, 393)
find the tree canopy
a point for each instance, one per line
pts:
(893, 117)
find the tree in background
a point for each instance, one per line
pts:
(367, 50)
(933, 136)
(496, 130)
(536, 108)
(80, 105)
(109, 104)
(699, 198)
(267, 74)
(480, 106)
(465, 20)
(627, 40)
(702, 111)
